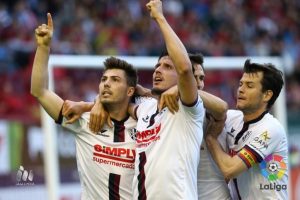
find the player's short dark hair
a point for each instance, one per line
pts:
(163, 54)
(115, 63)
(196, 58)
(272, 78)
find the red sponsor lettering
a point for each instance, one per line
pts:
(141, 144)
(119, 152)
(148, 134)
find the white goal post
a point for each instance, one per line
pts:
(96, 62)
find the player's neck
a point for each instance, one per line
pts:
(118, 112)
(158, 102)
(253, 115)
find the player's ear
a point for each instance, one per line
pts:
(130, 91)
(268, 95)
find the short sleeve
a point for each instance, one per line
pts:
(196, 110)
(78, 125)
(261, 146)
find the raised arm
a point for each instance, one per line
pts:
(39, 77)
(187, 85)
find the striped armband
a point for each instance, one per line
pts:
(249, 156)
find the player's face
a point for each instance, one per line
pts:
(164, 76)
(113, 88)
(199, 76)
(250, 98)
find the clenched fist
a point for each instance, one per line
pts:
(155, 9)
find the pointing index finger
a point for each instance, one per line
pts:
(50, 22)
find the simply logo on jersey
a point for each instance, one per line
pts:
(24, 177)
(273, 168)
(114, 156)
(147, 136)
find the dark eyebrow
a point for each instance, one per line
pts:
(247, 82)
(104, 76)
(115, 76)
(168, 65)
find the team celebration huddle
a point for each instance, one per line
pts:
(173, 141)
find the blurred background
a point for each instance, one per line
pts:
(123, 27)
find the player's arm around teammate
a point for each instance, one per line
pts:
(215, 106)
(231, 167)
(98, 115)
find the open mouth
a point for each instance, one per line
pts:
(157, 79)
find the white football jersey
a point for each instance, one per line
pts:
(105, 160)
(167, 152)
(262, 145)
(211, 183)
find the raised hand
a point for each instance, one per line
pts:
(44, 32)
(155, 8)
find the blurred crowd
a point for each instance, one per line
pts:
(123, 27)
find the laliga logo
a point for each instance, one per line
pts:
(273, 168)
